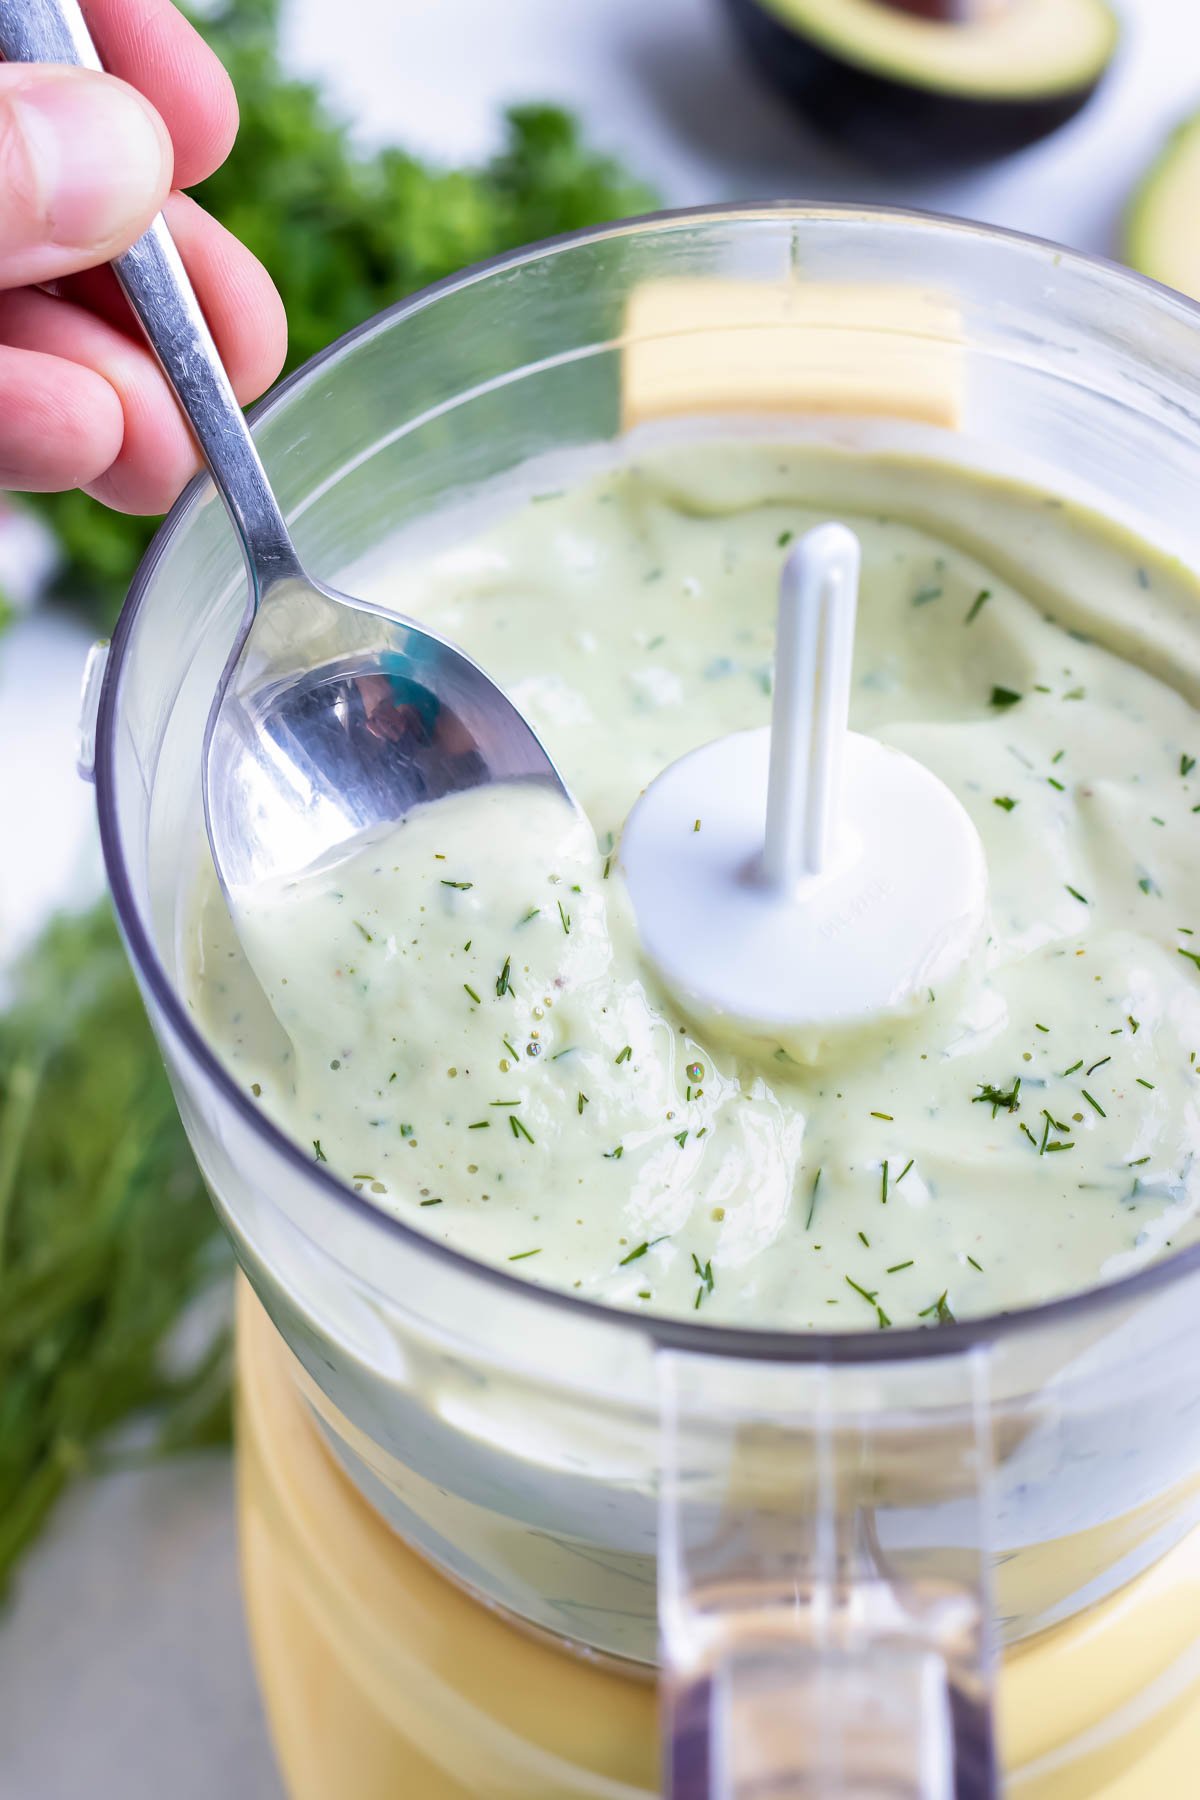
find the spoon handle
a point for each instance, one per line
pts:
(156, 285)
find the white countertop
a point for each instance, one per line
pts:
(123, 1665)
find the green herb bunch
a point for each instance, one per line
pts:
(106, 1232)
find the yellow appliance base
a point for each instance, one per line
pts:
(383, 1681)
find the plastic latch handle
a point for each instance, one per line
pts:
(824, 1593)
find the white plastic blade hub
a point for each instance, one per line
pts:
(804, 882)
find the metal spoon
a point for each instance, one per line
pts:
(332, 717)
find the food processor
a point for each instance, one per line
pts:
(501, 1540)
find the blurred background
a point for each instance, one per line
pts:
(380, 150)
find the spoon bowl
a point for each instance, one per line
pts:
(333, 719)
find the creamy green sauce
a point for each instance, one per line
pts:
(464, 1028)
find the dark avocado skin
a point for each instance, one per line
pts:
(885, 120)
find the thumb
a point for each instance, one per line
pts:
(85, 163)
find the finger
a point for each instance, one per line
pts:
(156, 454)
(238, 297)
(240, 301)
(152, 46)
(61, 425)
(85, 163)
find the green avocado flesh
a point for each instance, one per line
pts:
(1162, 229)
(1030, 48)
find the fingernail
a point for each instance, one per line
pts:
(99, 156)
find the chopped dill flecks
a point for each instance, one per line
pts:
(1006, 1099)
(883, 1182)
(1075, 894)
(1073, 1067)
(703, 1271)
(1186, 765)
(564, 919)
(865, 1239)
(461, 885)
(896, 1267)
(1098, 1065)
(1053, 1124)
(318, 1154)
(977, 605)
(904, 1171)
(940, 1308)
(873, 1301)
(531, 914)
(1193, 956)
(509, 1048)
(1006, 802)
(1044, 1028)
(641, 1250)
(1059, 786)
(1029, 1135)
(924, 595)
(1002, 697)
(437, 1201)
(504, 1103)
(581, 1101)
(1147, 886)
(681, 1138)
(784, 539)
(1076, 694)
(695, 825)
(503, 984)
(882, 1115)
(1143, 1083)
(522, 1254)
(614, 1155)
(624, 1054)
(1137, 1162)
(359, 926)
(1133, 1023)
(519, 1128)
(471, 991)
(480, 1125)
(974, 1264)
(812, 1200)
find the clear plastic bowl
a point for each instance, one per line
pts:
(897, 1495)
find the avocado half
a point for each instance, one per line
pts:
(913, 91)
(1162, 224)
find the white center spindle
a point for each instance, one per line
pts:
(798, 884)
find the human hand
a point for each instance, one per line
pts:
(86, 161)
